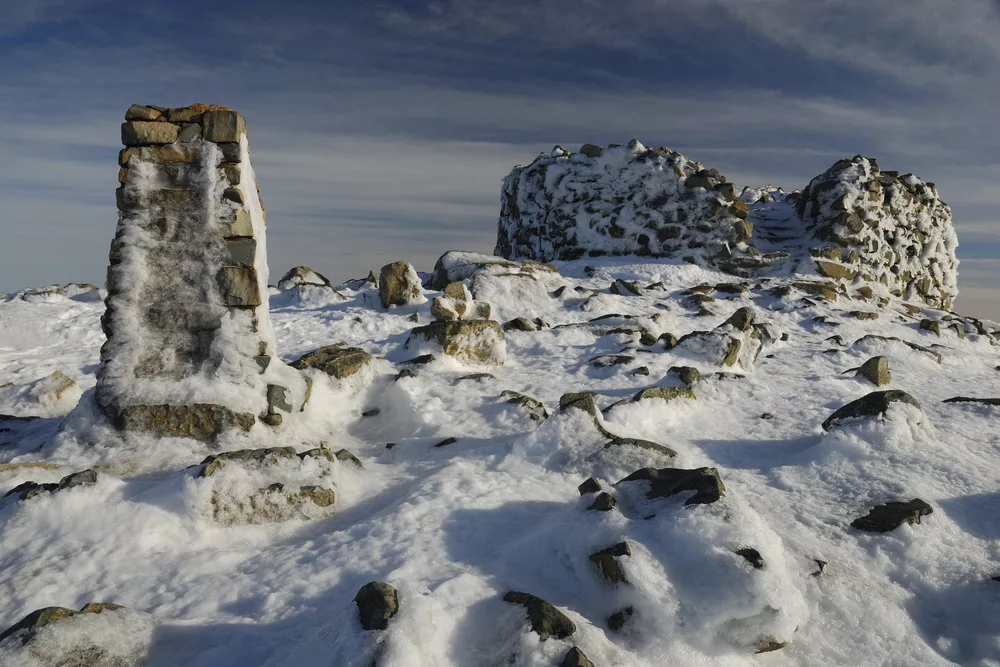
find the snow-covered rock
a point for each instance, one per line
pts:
(51, 396)
(885, 228)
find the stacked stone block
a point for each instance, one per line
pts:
(882, 227)
(190, 346)
(624, 200)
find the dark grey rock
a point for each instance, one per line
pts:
(931, 325)
(345, 456)
(665, 393)
(874, 404)
(418, 361)
(606, 561)
(277, 399)
(604, 502)
(545, 619)
(890, 516)
(242, 251)
(686, 374)
(966, 399)
(618, 441)
(446, 442)
(377, 602)
(575, 658)
(608, 360)
(590, 485)
(666, 482)
(616, 621)
(741, 320)
(752, 556)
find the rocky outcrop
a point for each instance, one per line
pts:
(623, 200)
(875, 404)
(399, 285)
(472, 341)
(545, 619)
(882, 227)
(190, 347)
(336, 360)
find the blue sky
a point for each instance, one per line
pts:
(382, 130)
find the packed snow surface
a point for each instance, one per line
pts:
(455, 527)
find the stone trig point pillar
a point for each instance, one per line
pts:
(190, 349)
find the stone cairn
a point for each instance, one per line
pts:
(883, 227)
(624, 200)
(190, 349)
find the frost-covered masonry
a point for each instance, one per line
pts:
(187, 310)
(883, 227)
(623, 200)
(855, 221)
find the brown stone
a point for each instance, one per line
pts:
(238, 286)
(835, 271)
(148, 133)
(223, 126)
(198, 421)
(139, 112)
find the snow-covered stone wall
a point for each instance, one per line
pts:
(190, 346)
(883, 227)
(623, 200)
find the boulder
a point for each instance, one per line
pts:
(545, 619)
(875, 404)
(664, 393)
(302, 275)
(575, 658)
(966, 399)
(456, 265)
(890, 516)
(666, 482)
(399, 285)
(876, 371)
(335, 360)
(27, 490)
(377, 603)
(617, 621)
(101, 634)
(472, 341)
(606, 561)
(603, 502)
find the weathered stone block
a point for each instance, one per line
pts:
(221, 126)
(139, 112)
(146, 133)
(238, 286)
(241, 251)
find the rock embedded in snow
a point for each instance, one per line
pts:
(27, 490)
(606, 561)
(533, 407)
(664, 393)
(335, 360)
(666, 482)
(545, 619)
(456, 265)
(267, 485)
(603, 502)
(399, 285)
(575, 658)
(875, 404)
(302, 275)
(966, 399)
(617, 621)
(689, 375)
(890, 516)
(472, 341)
(377, 603)
(51, 396)
(187, 319)
(884, 228)
(101, 634)
(876, 371)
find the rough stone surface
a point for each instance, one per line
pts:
(547, 621)
(144, 133)
(335, 360)
(626, 200)
(399, 285)
(876, 371)
(377, 603)
(533, 407)
(664, 393)
(200, 421)
(575, 658)
(473, 341)
(884, 228)
(606, 561)
(874, 404)
(891, 516)
(666, 482)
